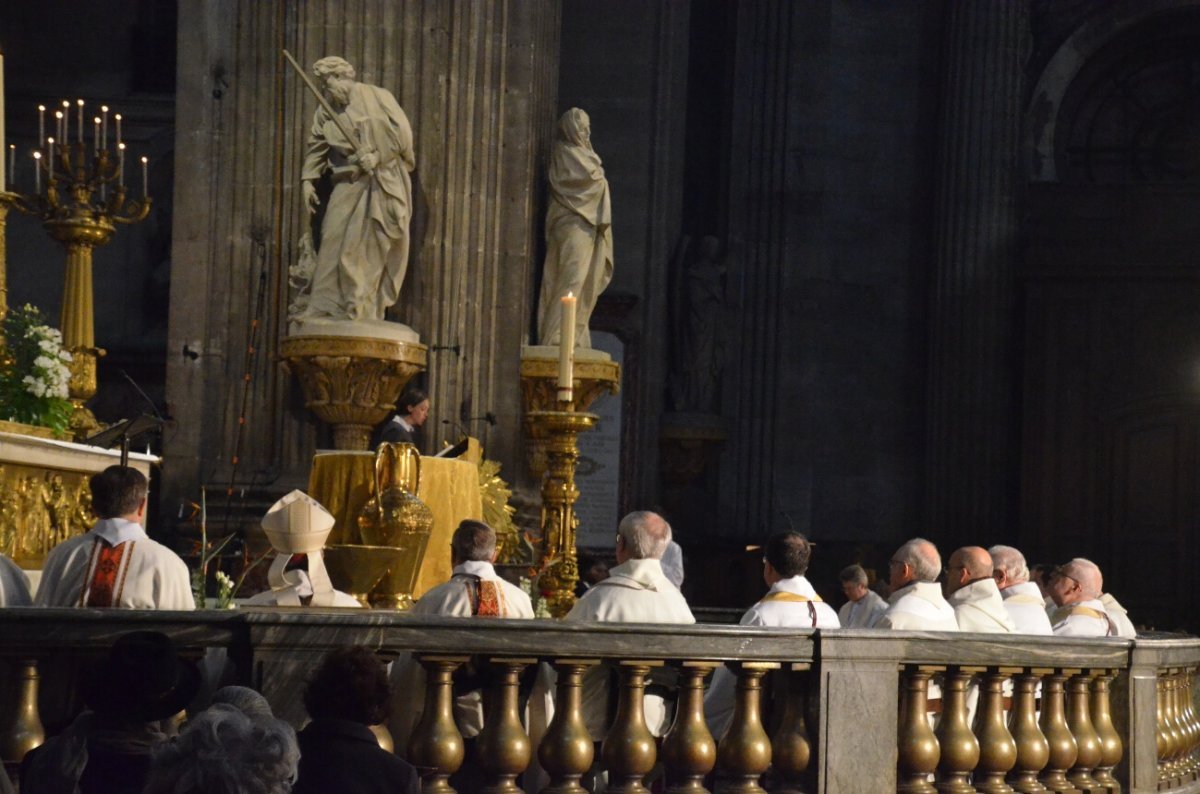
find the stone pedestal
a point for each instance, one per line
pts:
(349, 382)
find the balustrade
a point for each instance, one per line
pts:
(848, 711)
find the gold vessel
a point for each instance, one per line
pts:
(356, 569)
(395, 517)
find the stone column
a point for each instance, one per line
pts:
(478, 81)
(973, 453)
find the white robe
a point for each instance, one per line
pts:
(780, 613)
(151, 576)
(978, 607)
(863, 613)
(453, 598)
(1027, 608)
(1118, 615)
(918, 606)
(14, 585)
(636, 591)
(293, 594)
(1083, 619)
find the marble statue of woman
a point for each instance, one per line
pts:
(578, 231)
(363, 253)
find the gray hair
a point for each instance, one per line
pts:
(473, 541)
(854, 573)
(245, 700)
(1011, 561)
(222, 749)
(1087, 573)
(333, 65)
(646, 535)
(922, 556)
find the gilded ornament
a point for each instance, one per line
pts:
(395, 517)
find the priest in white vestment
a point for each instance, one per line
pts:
(14, 584)
(636, 591)
(863, 606)
(972, 592)
(1076, 589)
(916, 602)
(791, 602)
(115, 563)
(1022, 598)
(474, 590)
(1118, 615)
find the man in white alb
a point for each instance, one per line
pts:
(1022, 598)
(115, 563)
(1076, 588)
(864, 606)
(972, 592)
(916, 602)
(791, 602)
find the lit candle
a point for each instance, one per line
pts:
(37, 172)
(121, 163)
(104, 136)
(58, 125)
(41, 123)
(65, 135)
(50, 157)
(96, 133)
(80, 101)
(566, 349)
(145, 177)
(118, 118)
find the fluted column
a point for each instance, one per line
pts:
(973, 462)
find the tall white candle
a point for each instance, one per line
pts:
(566, 349)
(118, 118)
(50, 156)
(80, 101)
(104, 135)
(58, 126)
(66, 116)
(121, 164)
(96, 133)
(37, 172)
(145, 177)
(41, 124)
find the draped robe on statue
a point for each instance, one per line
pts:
(578, 231)
(363, 253)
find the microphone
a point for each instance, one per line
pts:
(145, 396)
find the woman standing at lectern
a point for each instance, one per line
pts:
(412, 409)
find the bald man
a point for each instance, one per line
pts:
(1076, 590)
(916, 602)
(972, 592)
(1022, 598)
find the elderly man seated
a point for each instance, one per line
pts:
(1076, 589)
(1022, 598)
(972, 591)
(864, 605)
(916, 602)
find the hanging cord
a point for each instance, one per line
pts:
(255, 322)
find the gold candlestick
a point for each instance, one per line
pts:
(74, 175)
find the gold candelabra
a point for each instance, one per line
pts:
(81, 205)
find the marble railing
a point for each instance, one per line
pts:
(816, 711)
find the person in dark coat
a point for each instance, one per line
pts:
(338, 752)
(412, 409)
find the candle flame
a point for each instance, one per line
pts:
(80, 101)
(104, 108)
(145, 160)
(58, 114)
(96, 119)
(117, 117)
(121, 146)
(37, 155)
(49, 140)
(41, 108)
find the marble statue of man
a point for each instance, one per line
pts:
(578, 231)
(363, 251)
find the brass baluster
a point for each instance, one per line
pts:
(791, 748)
(1162, 734)
(436, 743)
(1054, 725)
(566, 750)
(997, 748)
(1087, 742)
(1033, 750)
(24, 731)
(1111, 747)
(744, 752)
(628, 750)
(503, 748)
(959, 747)
(688, 750)
(1193, 729)
(917, 747)
(1173, 729)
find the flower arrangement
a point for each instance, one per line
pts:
(34, 372)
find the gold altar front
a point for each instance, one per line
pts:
(343, 481)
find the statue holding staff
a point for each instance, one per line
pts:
(578, 231)
(363, 139)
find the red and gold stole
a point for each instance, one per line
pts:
(105, 575)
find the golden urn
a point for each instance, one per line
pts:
(395, 517)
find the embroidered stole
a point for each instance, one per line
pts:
(486, 598)
(1062, 613)
(104, 576)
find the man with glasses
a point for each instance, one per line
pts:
(916, 602)
(1022, 598)
(972, 592)
(1076, 589)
